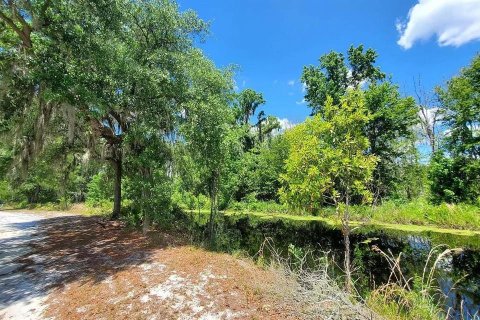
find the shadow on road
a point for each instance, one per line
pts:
(53, 252)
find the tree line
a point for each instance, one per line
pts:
(112, 100)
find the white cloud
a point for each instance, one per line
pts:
(301, 101)
(286, 124)
(453, 22)
(291, 83)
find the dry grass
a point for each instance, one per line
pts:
(314, 293)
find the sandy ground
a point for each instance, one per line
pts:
(72, 267)
(66, 266)
(22, 295)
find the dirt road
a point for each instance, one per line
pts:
(72, 267)
(22, 290)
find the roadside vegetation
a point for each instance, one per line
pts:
(112, 104)
(417, 212)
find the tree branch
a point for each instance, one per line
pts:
(26, 26)
(10, 23)
(23, 34)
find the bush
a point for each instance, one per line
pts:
(102, 208)
(6, 193)
(188, 200)
(99, 189)
(36, 193)
(251, 204)
(454, 180)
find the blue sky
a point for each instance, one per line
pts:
(271, 41)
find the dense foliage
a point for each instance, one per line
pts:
(327, 162)
(455, 170)
(390, 127)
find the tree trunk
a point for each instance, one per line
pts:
(146, 200)
(146, 222)
(348, 272)
(433, 143)
(260, 137)
(117, 187)
(64, 182)
(346, 240)
(211, 218)
(213, 208)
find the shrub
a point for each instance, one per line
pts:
(258, 206)
(6, 193)
(421, 212)
(37, 193)
(188, 200)
(454, 180)
(99, 189)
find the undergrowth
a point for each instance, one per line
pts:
(417, 298)
(417, 212)
(312, 290)
(420, 212)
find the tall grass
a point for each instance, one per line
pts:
(416, 298)
(259, 206)
(420, 212)
(416, 212)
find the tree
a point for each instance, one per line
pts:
(40, 124)
(390, 133)
(146, 71)
(113, 61)
(207, 125)
(328, 164)
(333, 77)
(453, 179)
(267, 167)
(392, 117)
(456, 176)
(460, 110)
(248, 102)
(410, 173)
(258, 171)
(429, 117)
(267, 126)
(53, 34)
(148, 161)
(25, 108)
(261, 119)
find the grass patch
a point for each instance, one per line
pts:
(415, 216)
(334, 222)
(86, 209)
(49, 206)
(420, 212)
